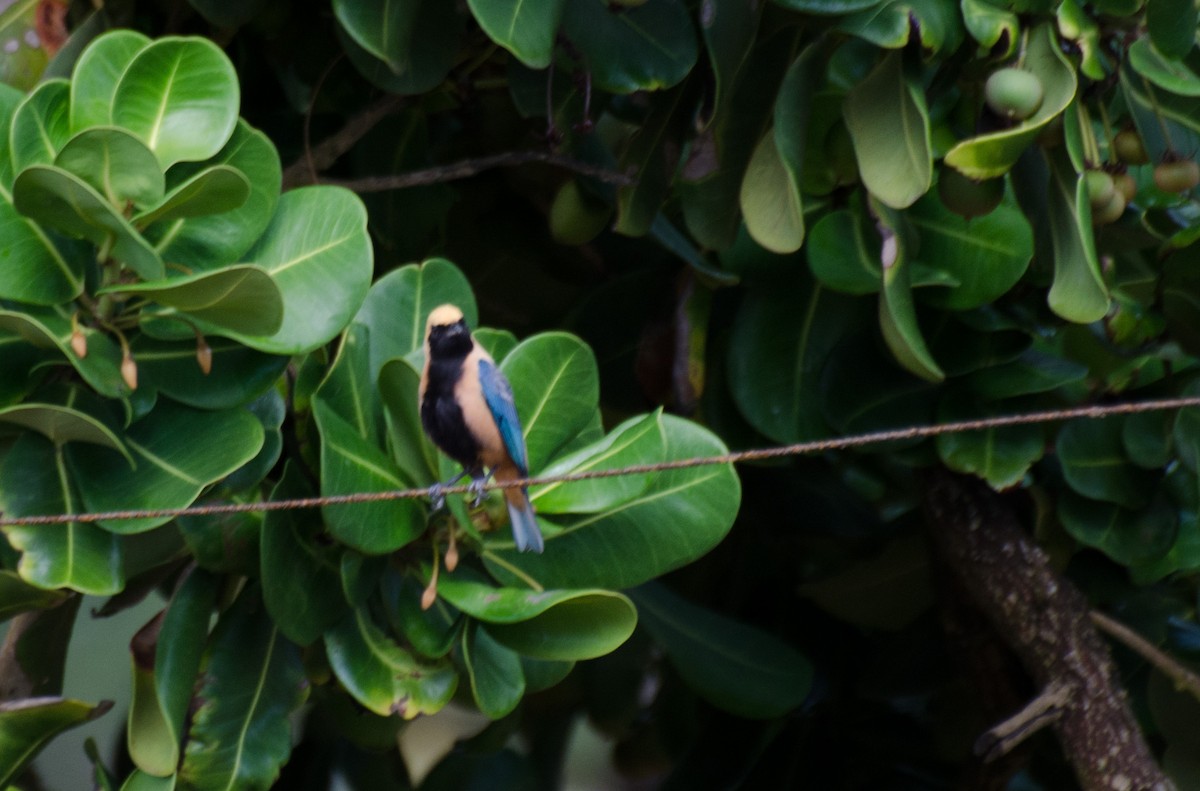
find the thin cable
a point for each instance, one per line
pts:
(1094, 412)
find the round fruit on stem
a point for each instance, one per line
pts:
(1100, 187)
(1129, 148)
(1179, 176)
(1015, 94)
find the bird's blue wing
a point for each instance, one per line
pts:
(497, 392)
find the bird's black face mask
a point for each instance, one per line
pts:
(450, 340)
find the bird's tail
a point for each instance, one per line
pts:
(526, 533)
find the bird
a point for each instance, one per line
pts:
(467, 409)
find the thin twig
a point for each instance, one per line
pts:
(1043, 710)
(305, 170)
(1183, 677)
(759, 454)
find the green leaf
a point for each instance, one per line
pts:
(214, 190)
(554, 624)
(348, 389)
(115, 164)
(33, 269)
(889, 124)
(62, 200)
(317, 251)
(431, 633)
(645, 48)
(556, 386)
(239, 374)
(18, 596)
(381, 675)
(253, 681)
(300, 574)
(1094, 463)
(497, 681)
(240, 299)
(27, 725)
(179, 650)
(179, 451)
(652, 158)
(992, 154)
(1167, 73)
(1078, 293)
(402, 46)
(1032, 372)
(680, 516)
(62, 424)
(143, 781)
(180, 96)
(526, 28)
(897, 313)
(399, 304)
(39, 126)
(638, 440)
(352, 464)
(50, 328)
(1127, 536)
(94, 81)
(153, 746)
(214, 240)
(1172, 27)
(1147, 438)
(782, 336)
(1000, 456)
(736, 667)
(770, 199)
(75, 555)
(844, 250)
(985, 256)
(890, 24)
(399, 384)
(989, 23)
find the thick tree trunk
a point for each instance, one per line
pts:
(1046, 622)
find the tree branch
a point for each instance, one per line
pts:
(307, 168)
(1046, 621)
(1170, 667)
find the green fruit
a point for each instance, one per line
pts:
(1111, 211)
(1100, 187)
(1178, 176)
(966, 197)
(1125, 185)
(1129, 148)
(1014, 94)
(576, 218)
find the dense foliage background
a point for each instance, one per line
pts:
(681, 227)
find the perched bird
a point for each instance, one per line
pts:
(467, 410)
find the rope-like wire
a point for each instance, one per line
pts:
(758, 454)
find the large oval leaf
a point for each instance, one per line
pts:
(681, 515)
(770, 199)
(33, 268)
(399, 384)
(97, 74)
(497, 680)
(526, 28)
(240, 299)
(1078, 292)
(27, 725)
(62, 423)
(1094, 463)
(40, 126)
(403, 46)
(180, 96)
(644, 48)
(115, 163)
(843, 254)
(50, 328)
(213, 190)
(237, 375)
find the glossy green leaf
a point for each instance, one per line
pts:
(253, 680)
(94, 81)
(889, 124)
(399, 384)
(793, 113)
(179, 451)
(63, 201)
(402, 46)
(890, 24)
(680, 516)
(33, 268)
(432, 633)
(1076, 23)
(1167, 73)
(1032, 372)
(497, 681)
(63, 423)
(993, 154)
(239, 374)
(214, 190)
(26, 726)
(399, 304)
(844, 250)
(1172, 27)
(1147, 438)
(115, 163)
(153, 746)
(18, 596)
(1094, 463)
(40, 126)
(989, 23)
(381, 675)
(738, 668)
(348, 389)
(782, 336)
(526, 28)
(1127, 536)
(180, 96)
(214, 240)
(897, 312)
(553, 624)
(180, 648)
(556, 387)
(728, 28)
(50, 328)
(351, 464)
(770, 199)
(638, 440)
(300, 573)
(1000, 456)
(223, 543)
(985, 256)
(143, 781)
(76, 555)
(317, 251)
(1078, 293)
(644, 48)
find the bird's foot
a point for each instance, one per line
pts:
(475, 489)
(437, 496)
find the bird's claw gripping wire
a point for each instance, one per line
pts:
(475, 488)
(437, 496)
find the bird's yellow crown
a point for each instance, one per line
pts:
(444, 316)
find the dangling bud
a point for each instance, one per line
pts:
(203, 355)
(79, 343)
(429, 595)
(452, 553)
(129, 370)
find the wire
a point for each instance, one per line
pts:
(1094, 412)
